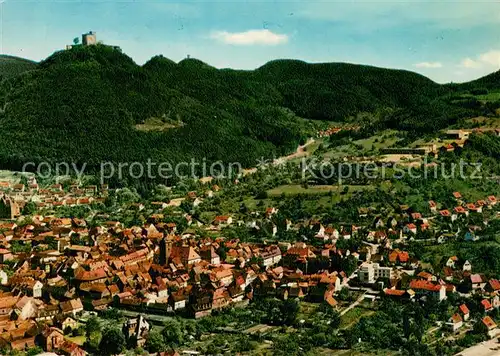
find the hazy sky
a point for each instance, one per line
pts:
(444, 40)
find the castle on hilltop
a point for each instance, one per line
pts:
(89, 39)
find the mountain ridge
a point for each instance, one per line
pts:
(82, 105)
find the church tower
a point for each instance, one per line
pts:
(165, 250)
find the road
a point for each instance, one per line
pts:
(486, 348)
(154, 318)
(300, 151)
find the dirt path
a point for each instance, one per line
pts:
(298, 153)
(353, 305)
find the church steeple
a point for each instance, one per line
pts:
(165, 250)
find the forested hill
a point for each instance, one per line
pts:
(490, 81)
(11, 66)
(93, 104)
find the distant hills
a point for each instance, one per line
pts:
(83, 105)
(490, 81)
(11, 66)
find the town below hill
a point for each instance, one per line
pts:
(257, 264)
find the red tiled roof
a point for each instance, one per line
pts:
(490, 324)
(394, 292)
(72, 305)
(486, 304)
(494, 284)
(403, 256)
(476, 278)
(456, 318)
(83, 275)
(393, 256)
(463, 308)
(450, 288)
(425, 285)
(445, 213)
(425, 275)
(302, 252)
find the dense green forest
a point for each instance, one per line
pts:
(11, 66)
(86, 104)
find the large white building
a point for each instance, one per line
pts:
(369, 272)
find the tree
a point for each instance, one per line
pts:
(111, 313)
(172, 333)
(80, 331)
(335, 319)
(261, 195)
(29, 208)
(243, 344)
(67, 330)
(479, 328)
(344, 295)
(349, 264)
(286, 345)
(140, 351)
(222, 252)
(93, 341)
(112, 342)
(92, 325)
(76, 41)
(155, 342)
(290, 310)
(34, 351)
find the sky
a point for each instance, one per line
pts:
(447, 41)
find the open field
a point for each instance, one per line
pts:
(156, 124)
(9, 176)
(80, 340)
(385, 139)
(493, 96)
(485, 122)
(307, 309)
(353, 316)
(294, 189)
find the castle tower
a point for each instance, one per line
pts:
(89, 39)
(165, 250)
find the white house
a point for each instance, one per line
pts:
(4, 278)
(369, 272)
(451, 261)
(455, 322)
(467, 266)
(410, 228)
(37, 289)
